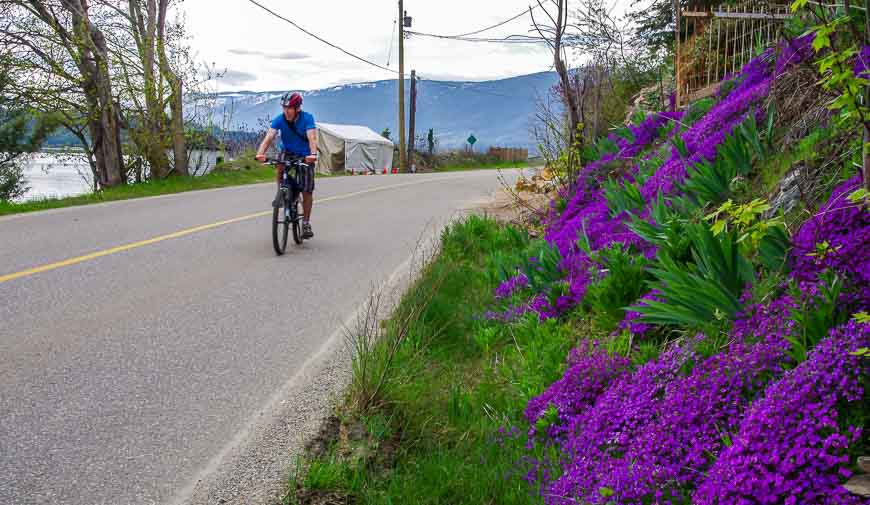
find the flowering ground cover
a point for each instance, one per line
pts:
(761, 400)
(670, 340)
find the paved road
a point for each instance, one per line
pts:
(129, 375)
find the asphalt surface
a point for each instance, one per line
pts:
(160, 372)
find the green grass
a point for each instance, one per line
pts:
(486, 166)
(235, 173)
(456, 381)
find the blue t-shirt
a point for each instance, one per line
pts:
(295, 141)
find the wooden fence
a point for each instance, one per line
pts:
(509, 153)
(716, 40)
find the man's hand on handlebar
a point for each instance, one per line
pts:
(263, 159)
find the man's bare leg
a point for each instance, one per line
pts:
(307, 204)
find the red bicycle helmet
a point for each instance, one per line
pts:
(291, 100)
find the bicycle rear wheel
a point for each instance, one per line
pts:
(297, 232)
(280, 227)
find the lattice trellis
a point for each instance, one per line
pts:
(716, 40)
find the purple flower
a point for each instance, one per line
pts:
(836, 238)
(862, 63)
(794, 52)
(790, 447)
(631, 323)
(507, 288)
(590, 371)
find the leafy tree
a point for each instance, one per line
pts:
(20, 133)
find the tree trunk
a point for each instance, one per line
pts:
(110, 121)
(596, 118)
(570, 98)
(179, 141)
(104, 122)
(176, 98)
(150, 135)
(553, 36)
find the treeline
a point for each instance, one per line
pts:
(112, 74)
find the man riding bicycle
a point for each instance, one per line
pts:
(299, 140)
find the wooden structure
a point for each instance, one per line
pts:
(509, 153)
(714, 40)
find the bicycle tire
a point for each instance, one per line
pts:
(297, 232)
(279, 232)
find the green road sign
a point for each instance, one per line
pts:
(472, 139)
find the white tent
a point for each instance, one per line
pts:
(352, 148)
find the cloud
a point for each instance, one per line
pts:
(236, 77)
(289, 55)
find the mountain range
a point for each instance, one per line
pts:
(497, 113)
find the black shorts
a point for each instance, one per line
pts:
(306, 175)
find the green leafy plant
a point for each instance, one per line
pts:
(621, 277)
(622, 197)
(713, 182)
(704, 291)
(815, 316)
(762, 239)
(665, 228)
(839, 33)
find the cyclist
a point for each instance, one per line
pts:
(298, 139)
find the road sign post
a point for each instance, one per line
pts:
(471, 141)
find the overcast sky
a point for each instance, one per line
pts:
(259, 52)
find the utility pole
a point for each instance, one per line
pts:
(402, 166)
(413, 116)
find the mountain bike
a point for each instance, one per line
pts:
(288, 215)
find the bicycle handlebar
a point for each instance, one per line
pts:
(293, 161)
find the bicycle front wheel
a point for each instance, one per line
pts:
(280, 225)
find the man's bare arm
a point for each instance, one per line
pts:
(312, 141)
(264, 146)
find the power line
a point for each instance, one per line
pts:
(521, 14)
(360, 58)
(510, 39)
(390, 50)
(330, 44)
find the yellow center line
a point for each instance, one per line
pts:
(189, 231)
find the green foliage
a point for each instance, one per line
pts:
(705, 290)
(542, 272)
(452, 396)
(606, 145)
(543, 346)
(620, 279)
(666, 229)
(21, 132)
(654, 23)
(859, 196)
(622, 196)
(713, 182)
(837, 40)
(762, 240)
(815, 315)
(697, 110)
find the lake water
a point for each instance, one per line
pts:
(56, 175)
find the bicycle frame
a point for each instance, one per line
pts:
(291, 182)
